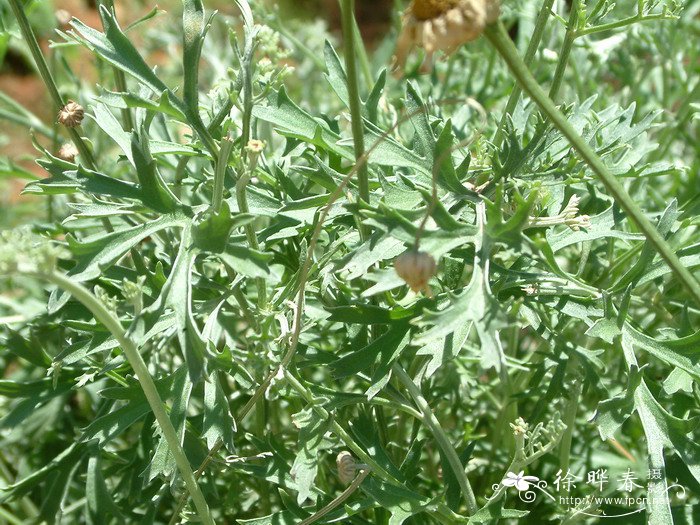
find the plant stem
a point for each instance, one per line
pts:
(623, 23)
(220, 174)
(362, 55)
(533, 46)
(43, 68)
(499, 38)
(104, 316)
(337, 501)
(570, 421)
(120, 78)
(569, 37)
(347, 9)
(251, 235)
(443, 441)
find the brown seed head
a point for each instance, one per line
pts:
(416, 268)
(442, 25)
(71, 115)
(347, 468)
(68, 152)
(425, 9)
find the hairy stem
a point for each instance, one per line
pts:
(565, 52)
(499, 38)
(337, 501)
(120, 79)
(443, 441)
(47, 77)
(347, 8)
(217, 197)
(533, 46)
(104, 316)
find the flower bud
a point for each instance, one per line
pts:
(71, 115)
(416, 268)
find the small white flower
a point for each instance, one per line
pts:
(519, 481)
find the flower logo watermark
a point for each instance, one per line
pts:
(522, 484)
(519, 481)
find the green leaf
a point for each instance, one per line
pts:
(666, 222)
(445, 349)
(491, 513)
(95, 254)
(383, 347)
(59, 481)
(476, 304)
(67, 179)
(376, 249)
(193, 32)
(70, 457)
(446, 175)
(165, 103)
(372, 103)
(211, 231)
(312, 430)
(217, 422)
(370, 314)
(156, 195)
(294, 122)
(114, 47)
(100, 505)
(683, 352)
(163, 461)
(424, 139)
(107, 427)
(110, 125)
(336, 76)
(246, 261)
(401, 503)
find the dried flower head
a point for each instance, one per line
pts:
(68, 152)
(442, 25)
(255, 146)
(416, 268)
(71, 115)
(520, 427)
(347, 467)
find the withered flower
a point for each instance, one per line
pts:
(442, 25)
(68, 152)
(71, 115)
(416, 268)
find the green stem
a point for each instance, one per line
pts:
(120, 78)
(43, 68)
(251, 235)
(443, 441)
(565, 52)
(362, 55)
(570, 421)
(499, 38)
(104, 316)
(10, 518)
(220, 174)
(533, 46)
(337, 428)
(337, 501)
(347, 8)
(623, 23)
